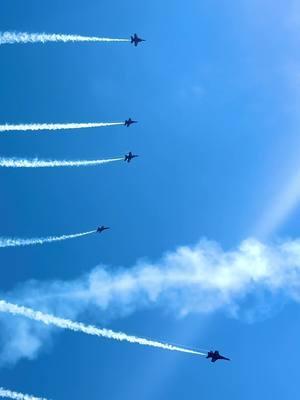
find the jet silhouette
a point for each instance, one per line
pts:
(215, 356)
(129, 122)
(102, 228)
(136, 40)
(129, 157)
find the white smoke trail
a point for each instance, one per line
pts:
(15, 242)
(55, 127)
(17, 396)
(36, 163)
(48, 319)
(24, 37)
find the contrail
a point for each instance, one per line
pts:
(48, 319)
(55, 127)
(24, 37)
(17, 396)
(16, 242)
(36, 163)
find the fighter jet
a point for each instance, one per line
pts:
(129, 157)
(136, 40)
(215, 356)
(129, 122)
(102, 228)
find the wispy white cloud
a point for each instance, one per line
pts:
(199, 279)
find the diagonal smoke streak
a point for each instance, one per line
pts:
(17, 396)
(55, 127)
(24, 37)
(250, 281)
(62, 323)
(36, 163)
(15, 242)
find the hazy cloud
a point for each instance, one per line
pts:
(199, 279)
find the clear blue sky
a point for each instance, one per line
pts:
(216, 91)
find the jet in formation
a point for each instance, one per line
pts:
(136, 40)
(129, 122)
(102, 228)
(129, 157)
(215, 356)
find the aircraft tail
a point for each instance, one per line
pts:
(132, 39)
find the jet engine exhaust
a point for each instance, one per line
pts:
(55, 127)
(24, 37)
(62, 323)
(17, 242)
(36, 163)
(17, 396)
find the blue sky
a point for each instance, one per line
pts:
(216, 91)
